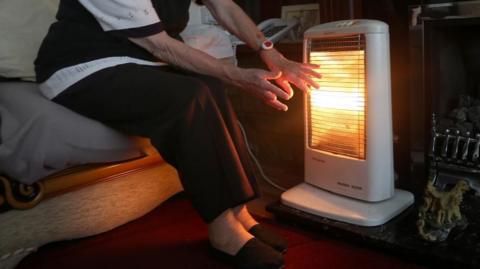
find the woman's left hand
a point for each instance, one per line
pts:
(301, 75)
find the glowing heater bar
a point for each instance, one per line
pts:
(336, 110)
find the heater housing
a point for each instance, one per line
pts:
(349, 135)
(349, 170)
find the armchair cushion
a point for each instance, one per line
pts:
(39, 137)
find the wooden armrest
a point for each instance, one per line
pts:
(16, 195)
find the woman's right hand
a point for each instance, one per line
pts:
(257, 82)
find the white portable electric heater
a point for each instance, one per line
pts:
(349, 147)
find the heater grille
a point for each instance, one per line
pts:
(337, 110)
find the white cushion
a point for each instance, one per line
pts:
(39, 137)
(23, 25)
(210, 39)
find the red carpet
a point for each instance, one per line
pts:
(174, 236)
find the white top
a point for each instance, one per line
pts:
(122, 14)
(66, 77)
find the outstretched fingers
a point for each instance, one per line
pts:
(269, 91)
(268, 86)
(311, 72)
(300, 83)
(285, 85)
(310, 65)
(309, 81)
(304, 78)
(277, 105)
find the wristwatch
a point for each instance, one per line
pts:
(266, 45)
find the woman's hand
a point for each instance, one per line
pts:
(299, 74)
(257, 82)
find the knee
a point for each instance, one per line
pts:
(216, 87)
(196, 91)
(193, 93)
(206, 93)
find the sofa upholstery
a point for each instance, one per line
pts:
(85, 201)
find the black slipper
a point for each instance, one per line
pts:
(254, 255)
(269, 237)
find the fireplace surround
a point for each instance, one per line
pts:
(444, 65)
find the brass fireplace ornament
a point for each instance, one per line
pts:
(454, 157)
(440, 212)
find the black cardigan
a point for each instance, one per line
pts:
(77, 37)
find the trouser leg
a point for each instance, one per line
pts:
(218, 91)
(188, 120)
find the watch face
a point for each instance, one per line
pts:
(267, 44)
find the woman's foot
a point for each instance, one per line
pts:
(269, 237)
(258, 255)
(227, 234)
(229, 239)
(244, 217)
(259, 231)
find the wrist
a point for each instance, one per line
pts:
(266, 55)
(230, 73)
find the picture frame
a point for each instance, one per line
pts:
(306, 15)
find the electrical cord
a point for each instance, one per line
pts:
(257, 163)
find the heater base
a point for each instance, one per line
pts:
(311, 199)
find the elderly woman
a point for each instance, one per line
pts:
(123, 63)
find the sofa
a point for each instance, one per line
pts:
(62, 176)
(71, 182)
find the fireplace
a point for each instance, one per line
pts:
(444, 66)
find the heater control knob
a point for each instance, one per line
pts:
(345, 23)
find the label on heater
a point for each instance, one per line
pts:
(356, 187)
(318, 160)
(346, 185)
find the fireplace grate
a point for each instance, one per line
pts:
(454, 156)
(454, 147)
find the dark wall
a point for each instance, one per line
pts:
(395, 14)
(252, 8)
(273, 8)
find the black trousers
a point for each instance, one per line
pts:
(188, 119)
